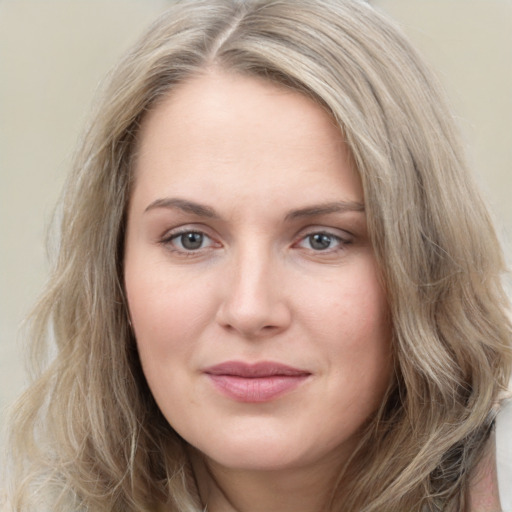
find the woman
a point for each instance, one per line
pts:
(277, 288)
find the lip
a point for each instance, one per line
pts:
(258, 382)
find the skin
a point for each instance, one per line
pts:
(256, 170)
(483, 494)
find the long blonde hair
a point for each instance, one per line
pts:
(87, 434)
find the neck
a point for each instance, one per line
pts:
(306, 489)
(483, 488)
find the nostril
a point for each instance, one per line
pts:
(253, 323)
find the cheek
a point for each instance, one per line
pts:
(357, 333)
(350, 311)
(165, 306)
(168, 314)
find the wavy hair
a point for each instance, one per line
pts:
(87, 434)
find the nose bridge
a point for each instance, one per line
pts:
(253, 303)
(252, 276)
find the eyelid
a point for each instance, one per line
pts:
(342, 234)
(186, 228)
(343, 237)
(167, 238)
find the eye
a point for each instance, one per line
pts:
(189, 241)
(322, 241)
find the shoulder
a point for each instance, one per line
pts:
(504, 453)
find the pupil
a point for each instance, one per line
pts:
(320, 241)
(192, 241)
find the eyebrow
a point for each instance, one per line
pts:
(206, 211)
(184, 205)
(326, 208)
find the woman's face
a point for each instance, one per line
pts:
(252, 286)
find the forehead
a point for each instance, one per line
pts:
(223, 129)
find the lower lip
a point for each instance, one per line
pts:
(256, 389)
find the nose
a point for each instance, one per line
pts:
(254, 299)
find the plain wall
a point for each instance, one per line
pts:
(53, 54)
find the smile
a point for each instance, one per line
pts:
(260, 382)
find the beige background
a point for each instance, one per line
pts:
(53, 53)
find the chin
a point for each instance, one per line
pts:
(266, 451)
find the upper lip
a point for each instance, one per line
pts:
(255, 370)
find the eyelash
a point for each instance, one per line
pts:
(169, 242)
(341, 242)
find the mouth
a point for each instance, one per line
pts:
(256, 383)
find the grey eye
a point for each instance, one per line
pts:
(320, 241)
(191, 241)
